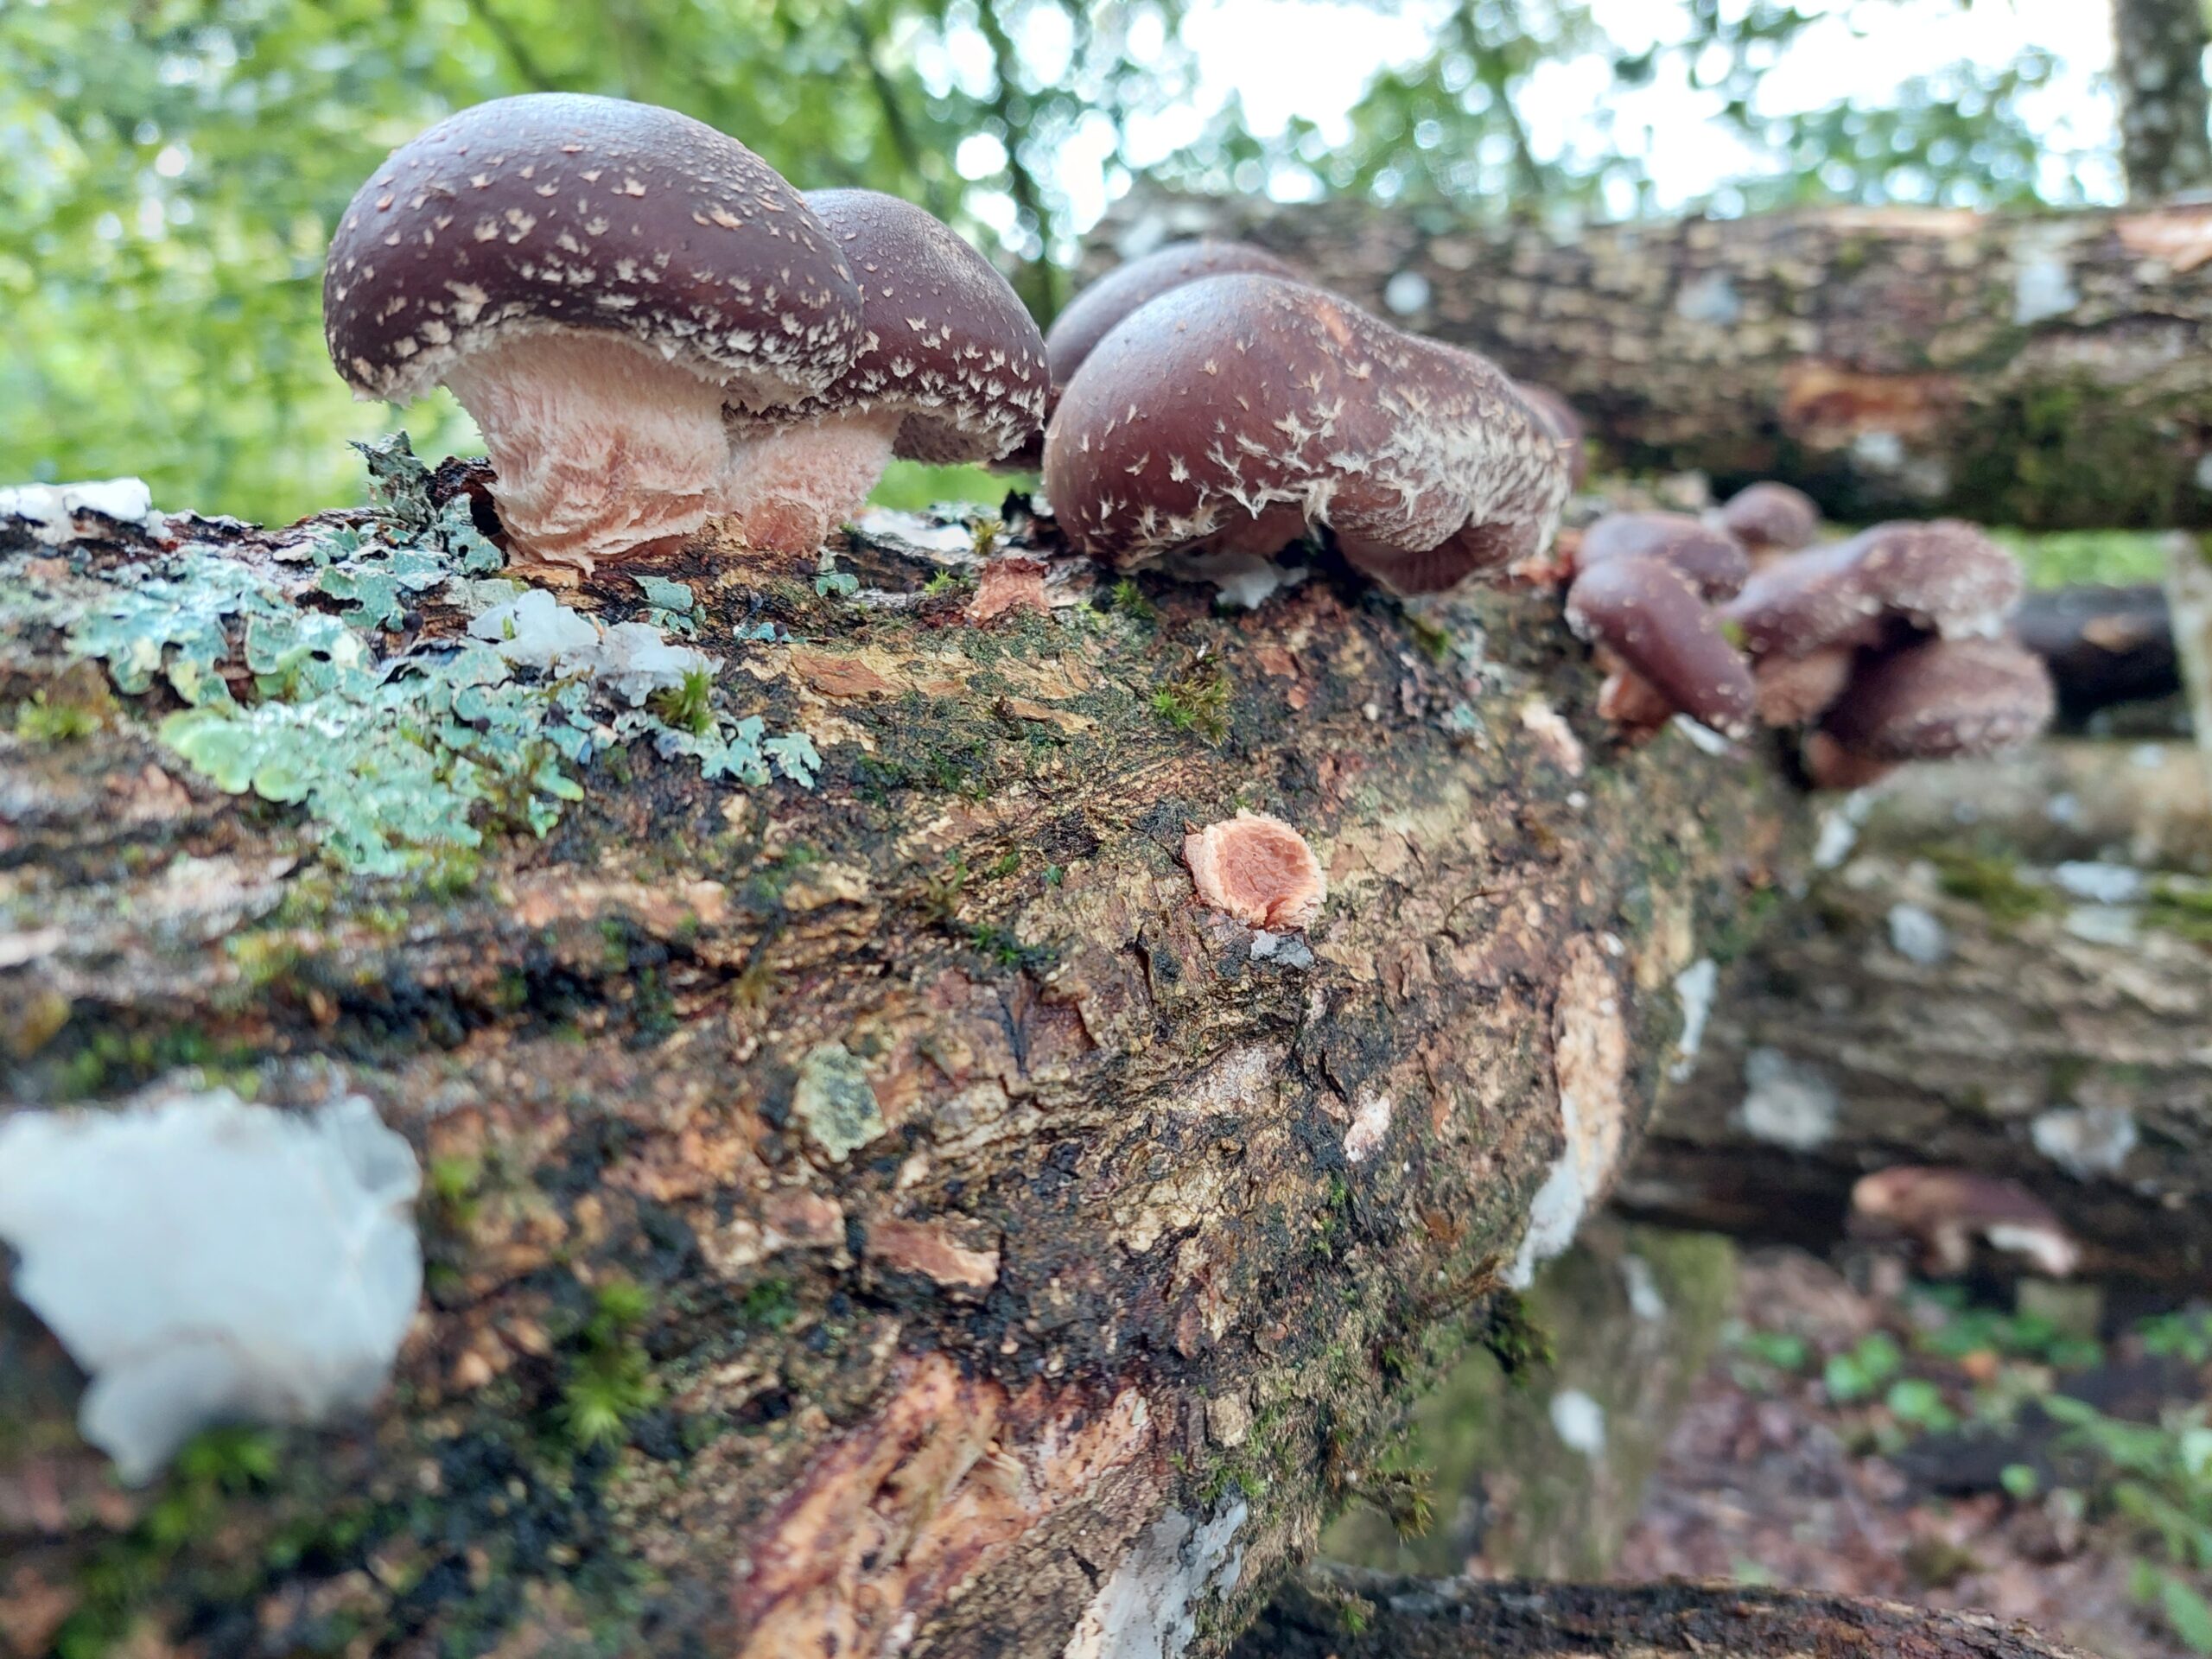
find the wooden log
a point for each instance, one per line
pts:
(2046, 370)
(893, 1212)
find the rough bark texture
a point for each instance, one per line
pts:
(1017, 1252)
(2012, 973)
(1539, 1472)
(2159, 67)
(2040, 369)
(1348, 1614)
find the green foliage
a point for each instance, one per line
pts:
(170, 171)
(1861, 1372)
(2066, 558)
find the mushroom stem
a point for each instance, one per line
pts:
(785, 489)
(625, 467)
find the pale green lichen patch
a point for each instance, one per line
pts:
(397, 758)
(834, 1101)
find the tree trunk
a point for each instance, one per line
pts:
(894, 1212)
(2045, 370)
(2165, 145)
(1347, 1614)
(2013, 973)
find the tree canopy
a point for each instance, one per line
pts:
(170, 169)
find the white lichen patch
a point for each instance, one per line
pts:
(1579, 1422)
(1370, 1127)
(1148, 1608)
(835, 1102)
(1786, 1102)
(1553, 735)
(2099, 883)
(1696, 985)
(51, 510)
(2086, 1141)
(632, 659)
(1917, 935)
(205, 1260)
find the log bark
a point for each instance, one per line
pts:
(2012, 973)
(2046, 370)
(2166, 143)
(2104, 646)
(1351, 1614)
(896, 1212)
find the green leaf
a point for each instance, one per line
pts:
(2187, 1611)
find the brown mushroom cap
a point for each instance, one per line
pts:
(1558, 417)
(596, 281)
(1238, 411)
(1945, 1210)
(1945, 576)
(1769, 518)
(1093, 313)
(1796, 690)
(1940, 698)
(1715, 564)
(945, 340)
(1649, 616)
(556, 211)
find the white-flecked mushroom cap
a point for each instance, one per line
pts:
(561, 212)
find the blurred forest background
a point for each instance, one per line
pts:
(170, 169)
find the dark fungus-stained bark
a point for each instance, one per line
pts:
(1344, 1614)
(2042, 370)
(1021, 1254)
(2159, 67)
(2007, 974)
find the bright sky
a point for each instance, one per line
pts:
(1313, 57)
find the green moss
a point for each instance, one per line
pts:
(1992, 883)
(1197, 702)
(610, 1379)
(1129, 600)
(1511, 1333)
(122, 1575)
(686, 706)
(38, 721)
(2184, 911)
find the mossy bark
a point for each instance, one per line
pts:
(1347, 1614)
(1539, 1472)
(2047, 370)
(998, 1232)
(2012, 973)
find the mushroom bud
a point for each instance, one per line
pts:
(1234, 413)
(1945, 577)
(1769, 519)
(1649, 616)
(1942, 698)
(1945, 1210)
(1714, 563)
(950, 368)
(1094, 314)
(595, 281)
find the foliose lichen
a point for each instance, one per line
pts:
(400, 756)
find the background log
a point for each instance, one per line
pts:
(1351, 1614)
(2044, 370)
(2012, 972)
(894, 1210)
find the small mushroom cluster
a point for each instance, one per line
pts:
(656, 332)
(1212, 407)
(1885, 647)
